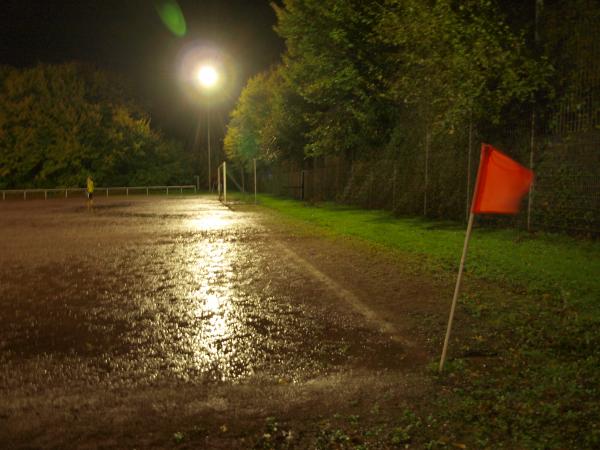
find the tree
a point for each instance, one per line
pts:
(336, 64)
(59, 123)
(267, 122)
(458, 63)
(244, 133)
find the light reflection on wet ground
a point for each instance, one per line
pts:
(151, 291)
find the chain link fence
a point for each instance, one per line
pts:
(438, 181)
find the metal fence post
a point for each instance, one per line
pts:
(427, 145)
(371, 175)
(394, 187)
(469, 168)
(531, 187)
(225, 181)
(219, 181)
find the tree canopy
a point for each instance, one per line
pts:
(59, 123)
(357, 74)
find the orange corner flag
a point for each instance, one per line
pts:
(501, 183)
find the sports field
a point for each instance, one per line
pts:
(179, 322)
(146, 318)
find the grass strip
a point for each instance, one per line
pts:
(553, 264)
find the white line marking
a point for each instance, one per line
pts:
(345, 295)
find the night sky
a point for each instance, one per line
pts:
(128, 37)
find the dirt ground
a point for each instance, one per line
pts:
(181, 323)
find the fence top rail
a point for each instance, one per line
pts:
(186, 186)
(40, 190)
(190, 186)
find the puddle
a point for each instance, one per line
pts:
(182, 289)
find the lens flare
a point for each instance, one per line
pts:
(171, 15)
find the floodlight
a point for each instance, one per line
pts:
(207, 76)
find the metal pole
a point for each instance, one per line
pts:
(394, 186)
(254, 181)
(371, 175)
(219, 181)
(314, 177)
(531, 151)
(539, 7)
(427, 144)
(224, 181)
(469, 166)
(208, 146)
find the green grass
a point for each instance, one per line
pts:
(242, 197)
(540, 388)
(542, 263)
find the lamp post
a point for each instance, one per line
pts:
(208, 145)
(208, 77)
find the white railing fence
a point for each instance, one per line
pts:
(105, 191)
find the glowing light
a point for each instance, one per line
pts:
(212, 303)
(208, 76)
(171, 15)
(214, 344)
(212, 222)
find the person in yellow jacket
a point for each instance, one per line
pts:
(90, 192)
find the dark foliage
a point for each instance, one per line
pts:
(59, 123)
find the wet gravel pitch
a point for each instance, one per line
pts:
(157, 293)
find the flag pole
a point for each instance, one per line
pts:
(462, 261)
(518, 181)
(457, 289)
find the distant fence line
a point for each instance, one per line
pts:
(439, 183)
(64, 192)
